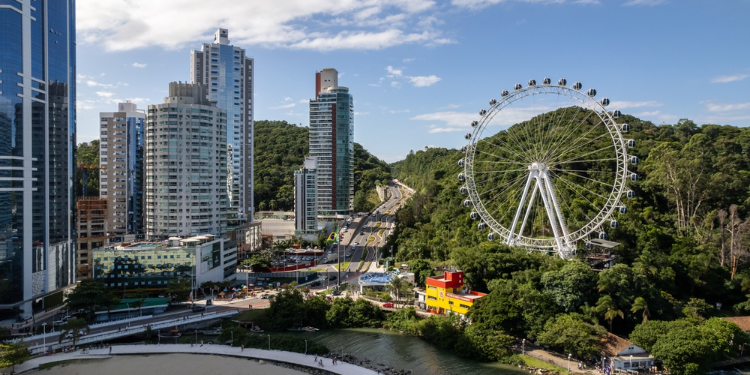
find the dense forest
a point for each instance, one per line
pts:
(280, 149)
(682, 260)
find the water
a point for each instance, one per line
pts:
(404, 352)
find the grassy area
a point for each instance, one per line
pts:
(377, 225)
(343, 288)
(370, 239)
(344, 266)
(315, 270)
(362, 263)
(381, 233)
(538, 363)
(388, 212)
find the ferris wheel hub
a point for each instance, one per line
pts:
(538, 166)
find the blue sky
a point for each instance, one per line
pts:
(420, 70)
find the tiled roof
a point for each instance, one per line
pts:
(742, 321)
(612, 345)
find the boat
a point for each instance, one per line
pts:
(303, 329)
(310, 329)
(212, 332)
(256, 330)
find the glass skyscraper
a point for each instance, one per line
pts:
(37, 154)
(227, 73)
(332, 143)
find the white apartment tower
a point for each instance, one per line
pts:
(121, 161)
(305, 198)
(332, 144)
(186, 165)
(227, 74)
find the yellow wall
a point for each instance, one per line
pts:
(443, 304)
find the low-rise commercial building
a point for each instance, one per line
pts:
(446, 294)
(622, 354)
(153, 265)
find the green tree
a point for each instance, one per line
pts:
(73, 326)
(13, 354)
(572, 334)
(607, 308)
(640, 304)
(647, 333)
(395, 287)
(179, 289)
(287, 309)
(88, 295)
(421, 270)
(138, 304)
(685, 350)
(570, 286)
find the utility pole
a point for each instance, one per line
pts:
(338, 251)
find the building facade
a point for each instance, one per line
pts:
(227, 74)
(121, 145)
(186, 165)
(152, 265)
(332, 144)
(446, 294)
(37, 153)
(305, 198)
(92, 226)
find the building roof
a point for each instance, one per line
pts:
(742, 321)
(612, 345)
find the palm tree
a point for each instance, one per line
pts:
(607, 307)
(395, 286)
(407, 289)
(138, 304)
(74, 326)
(641, 304)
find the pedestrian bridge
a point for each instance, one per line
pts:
(127, 331)
(266, 355)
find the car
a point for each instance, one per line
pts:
(264, 296)
(333, 277)
(199, 308)
(388, 304)
(317, 283)
(336, 292)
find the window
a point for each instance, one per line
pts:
(432, 298)
(464, 306)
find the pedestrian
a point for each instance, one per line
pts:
(110, 349)
(316, 358)
(191, 343)
(243, 348)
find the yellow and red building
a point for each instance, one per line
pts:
(446, 294)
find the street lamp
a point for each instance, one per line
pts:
(269, 342)
(305, 347)
(631, 361)
(44, 338)
(569, 355)
(523, 347)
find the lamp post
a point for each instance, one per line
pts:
(523, 347)
(269, 342)
(742, 348)
(44, 338)
(569, 355)
(305, 347)
(631, 361)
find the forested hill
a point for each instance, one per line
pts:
(684, 242)
(280, 149)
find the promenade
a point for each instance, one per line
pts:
(266, 355)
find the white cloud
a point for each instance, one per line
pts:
(424, 81)
(361, 113)
(104, 94)
(409, 60)
(305, 101)
(461, 121)
(727, 79)
(137, 65)
(290, 105)
(451, 106)
(479, 4)
(644, 2)
(350, 24)
(393, 72)
(727, 107)
(395, 84)
(647, 114)
(625, 104)
(451, 118)
(399, 111)
(287, 99)
(94, 84)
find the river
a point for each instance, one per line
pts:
(406, 353)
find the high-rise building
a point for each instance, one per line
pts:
(37, 157)
(121, 158)
(332, 143)
(227, 73)
(186, 165)
(92, 226)
(305, 198)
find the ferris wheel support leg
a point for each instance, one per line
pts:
(558, 212)
(550, 214)
(528, 209)
(511, 240)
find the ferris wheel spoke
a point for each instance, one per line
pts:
(549, 136)
(582, 187)
(582, 196)
(581, 170)
(574, 147)
(585, 161)
(499, 186)
(500, 162)
(502, 148)
(567, 130)
(503, 171)
(571, 132)
(586, 178)
(589, 153)
(516, 144)
(516, 181)
(570, 209)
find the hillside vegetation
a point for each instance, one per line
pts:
(683, 249)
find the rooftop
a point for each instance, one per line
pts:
(612, 345)
(742, 321)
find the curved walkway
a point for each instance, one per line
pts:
(267, 355)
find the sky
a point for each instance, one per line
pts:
(420, 70)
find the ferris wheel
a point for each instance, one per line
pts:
(546, 167)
